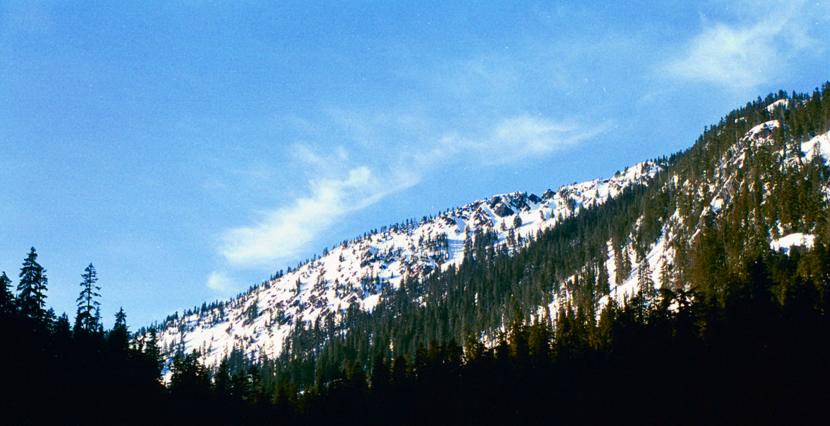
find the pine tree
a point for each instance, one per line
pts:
(665, 275)
(603, 284)
(61, 332)
(222, 379)
(517, 222)
(622, 264)
(99, 325)
(86, 319)
(189, 378)
(119, 335)
(31, 288)
(6, 296)
(645, 281)
(152, 352)
(380, 376)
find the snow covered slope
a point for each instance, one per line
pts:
(658, 264)
(359, 272)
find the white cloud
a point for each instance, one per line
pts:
(221, 283)
(317, 161)
(516, 139)
(521, 137)
(285, 232)
(743, 56)
(727, 56)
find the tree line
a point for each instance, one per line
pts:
(677, 357)
(735, 333)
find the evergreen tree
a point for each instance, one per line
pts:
(603, 284)
(645, 280)
(119, 336)
(222, 379)
(6, 296)
(665, 276)
(86, 319)
(99, 325)
(31, 287)
(517, 221)
(189, 379)
(152, 352)
(380, 375)
(61, 331)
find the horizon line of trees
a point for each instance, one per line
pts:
(58, 372)
(30, 300)
(670, 357)
(740, 335)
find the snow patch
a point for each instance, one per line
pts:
(781, 102)
(797, 239)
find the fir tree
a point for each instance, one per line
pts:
(152, 352)
(222, 379)
(31, 288)
(118, 337)
(61, 330)
(86, 319)
(645, 280)
(189, 379)
(517, 222)
(6, 296)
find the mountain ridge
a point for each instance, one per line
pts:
(696, 188)
(385, 258)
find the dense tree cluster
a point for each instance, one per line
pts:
(735, 332)
(677, 358)
(723, 267)
(54, 373)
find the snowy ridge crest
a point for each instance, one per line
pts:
(358, 273)
(658, 264)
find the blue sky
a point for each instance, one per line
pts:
(190, 149)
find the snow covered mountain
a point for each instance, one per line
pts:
(715, 193)
(360, 273)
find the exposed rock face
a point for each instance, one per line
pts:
(502, 210)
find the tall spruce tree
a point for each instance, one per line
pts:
(119, 337)
(6, 296)
(86, 318)
(31, 288)
(152, 352)
(645, 280)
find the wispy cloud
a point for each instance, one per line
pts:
(743, 56)
(519, 138)
(286, 231)
(472, 113)
(221, 283)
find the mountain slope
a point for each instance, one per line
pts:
(360, 271)
(754, 182)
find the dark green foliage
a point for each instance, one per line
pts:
(7, 301)
(750, 360)
(52, 375)
(119, 337)
(88, 319)
(736, 334)
(506, 287)
(189, 378)
(31, 288)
